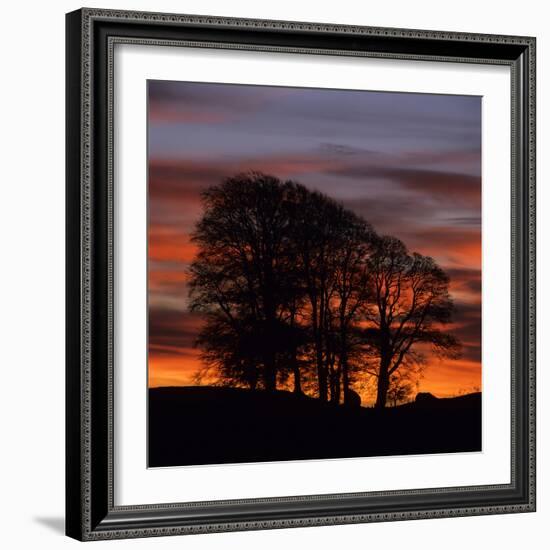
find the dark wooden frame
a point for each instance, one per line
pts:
(90, 510)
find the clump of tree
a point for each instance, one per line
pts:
(295, 287)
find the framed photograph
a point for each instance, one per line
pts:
(300, 274)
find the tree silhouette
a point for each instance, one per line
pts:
(409, 305)
(242, 277)
(296, 287)
(332, 246)
(401, 387)
(352, 293)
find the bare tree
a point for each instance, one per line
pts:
(402, 386)
(409, 306)
(332, 246)
(242, 277)
(351, 294)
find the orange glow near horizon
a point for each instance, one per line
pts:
(172, 370)
(441, 379)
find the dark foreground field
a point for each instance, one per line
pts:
(208, 425)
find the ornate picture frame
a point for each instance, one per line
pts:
(91, 509)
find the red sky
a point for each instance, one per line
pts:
(408, 163)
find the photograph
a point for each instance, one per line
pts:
(300, 273)
(313, 273)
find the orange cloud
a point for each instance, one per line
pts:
(172, 370)
(159, 113)
(167, 243)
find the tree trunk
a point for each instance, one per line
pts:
(344, 367)
(322, 377)
(269, 334)
(294, 354)
(384, 371)
(321, 341)
(345, 382)
(335, 389)
(334, 380)
(270, 379)
(383, 385)
(318, 344)
(296, 371)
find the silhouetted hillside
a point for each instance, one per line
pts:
(210, 425)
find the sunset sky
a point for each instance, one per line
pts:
(408, 163)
